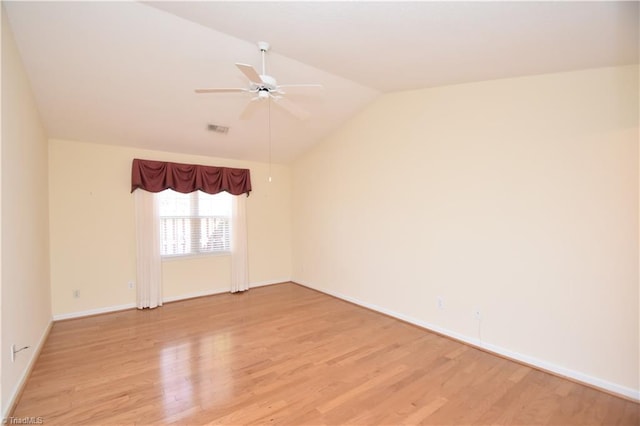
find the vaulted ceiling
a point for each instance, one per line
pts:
(124, 73)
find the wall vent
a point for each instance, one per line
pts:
(218, 129)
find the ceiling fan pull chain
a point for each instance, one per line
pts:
(269, 139)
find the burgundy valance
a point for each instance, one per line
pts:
(156, 176)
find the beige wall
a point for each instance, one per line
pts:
(26, 301)
(518, 198)
(515, 197)
(93, 235)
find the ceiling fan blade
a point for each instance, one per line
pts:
(291, 108)
(250, 72)
(249, 109)
(297, 88)
(314, 86)
(222, 90)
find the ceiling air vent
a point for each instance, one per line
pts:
(218, 129)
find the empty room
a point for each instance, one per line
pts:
(320, 213)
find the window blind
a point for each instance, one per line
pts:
(195, 223)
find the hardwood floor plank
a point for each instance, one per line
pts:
(288, 355)
(422, 414)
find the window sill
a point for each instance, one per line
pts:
(193, 256)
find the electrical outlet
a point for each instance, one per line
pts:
(76, 294)
(131, 285)
(440, 302)
(13, 353)
(477, 314)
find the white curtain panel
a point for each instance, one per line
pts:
(239, 262)
(149, 267)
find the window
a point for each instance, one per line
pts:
(195, 223)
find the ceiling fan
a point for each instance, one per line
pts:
(264, 86)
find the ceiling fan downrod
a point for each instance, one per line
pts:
(264, 48)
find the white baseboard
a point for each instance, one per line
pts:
(96, 311)
(194, 295)
(269, 282)
(218, 291)
(17, 389)
(116, 308)
(525, 359)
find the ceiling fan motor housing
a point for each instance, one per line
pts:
(268, 82)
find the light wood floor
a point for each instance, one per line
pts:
(285, 354)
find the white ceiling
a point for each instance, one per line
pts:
(124, 72)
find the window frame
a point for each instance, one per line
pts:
(195, 220)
